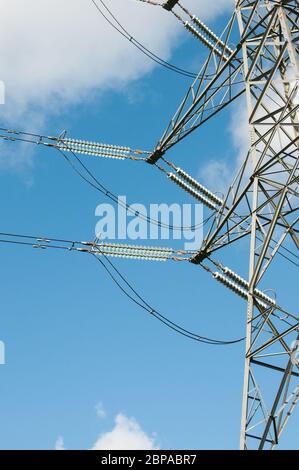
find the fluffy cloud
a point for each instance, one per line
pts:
(55, 54)
(126, 435)
(58, 53)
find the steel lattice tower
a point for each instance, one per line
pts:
(265, 192)
(269, 33)
(271, 72)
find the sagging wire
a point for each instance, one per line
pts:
(102, 189)
(97, 251)
(121, 30)
(40, 141)
(147, 307)
(154, 57)
(60, 145)
(121, 250)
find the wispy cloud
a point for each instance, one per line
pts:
(100, 410)
(59, 444)
(219, 173)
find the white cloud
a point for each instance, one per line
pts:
(59, 53)
(125, 435)
(100, 410)
(56, 54)
(59, 444)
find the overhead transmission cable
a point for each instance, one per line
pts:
(150, 253)
(99, 250)
(102, 189)
(118, 250)
(83, 147)
(145, 306)
(121, 30)
(156, 58)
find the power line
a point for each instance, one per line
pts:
(108, 193)
(287, 258)
(121, 30)
(102, 189)
(122, 250)
(154, 57)
(61, 145)
(97, 250)
(149, 53)
(145, 306)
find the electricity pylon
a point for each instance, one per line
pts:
(265, 191)
(269, 36)
(262, 202)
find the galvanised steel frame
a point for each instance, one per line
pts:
(262, 202)
(266, 193)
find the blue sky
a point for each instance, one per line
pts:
(72, 339)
